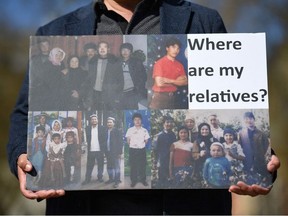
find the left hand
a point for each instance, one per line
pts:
(65, 71)
(254, 190)
(24, 166)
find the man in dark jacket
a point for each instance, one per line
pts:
(162, 151)
(134, 78)
(96, 139)
(255, 145)
(105, 80)
(125, 17)
(113, 153)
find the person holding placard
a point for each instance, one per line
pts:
(128, 17)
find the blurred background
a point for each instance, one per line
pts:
(20, 18)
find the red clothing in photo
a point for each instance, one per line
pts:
(182, 153)
(167, 68)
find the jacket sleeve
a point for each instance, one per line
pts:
(17, 143)
(218, 24)
(120, 140)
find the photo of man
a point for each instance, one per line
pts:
(137, 138)
(96, 139)
(168, 75)
(113, 152)
(105, 80)
(135, 78)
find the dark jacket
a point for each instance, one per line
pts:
(113, 83)
(116, 142)
(255, 150)
(176, 17)
(138, 76)
(50, 93)
(101, 137)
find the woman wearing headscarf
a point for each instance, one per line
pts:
(75, 78)
(201, 150)
(190, 123)
(53, 90)
(56, 128)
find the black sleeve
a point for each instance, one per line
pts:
(17, 143)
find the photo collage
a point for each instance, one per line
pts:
(111, 112)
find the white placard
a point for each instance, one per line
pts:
(227, 71)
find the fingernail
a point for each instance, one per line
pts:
(28, 166)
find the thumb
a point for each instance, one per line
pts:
(273, 164)
(24, 163)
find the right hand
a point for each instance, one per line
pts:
(24, 166)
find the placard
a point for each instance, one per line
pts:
(114, 112)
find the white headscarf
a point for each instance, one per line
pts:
(53, 123)
(52, 56)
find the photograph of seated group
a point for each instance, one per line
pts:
(111, 112)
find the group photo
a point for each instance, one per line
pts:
(76, 150)
(112, 72)
(148, 149)
(209, 148)
(88, 73)
(54, 146)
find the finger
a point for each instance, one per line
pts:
(260, 190)
(273, 164)
(243, 189)
(22, 182)
(29, 194)
(235, 189)
(60, 193)
(46, 194)
(247, 190)
(23, 163)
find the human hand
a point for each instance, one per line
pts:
(24, 166)
(161, 81)
(254, 190)
(65, 71)
(167, 81)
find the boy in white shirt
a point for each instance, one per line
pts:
(137, 138)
